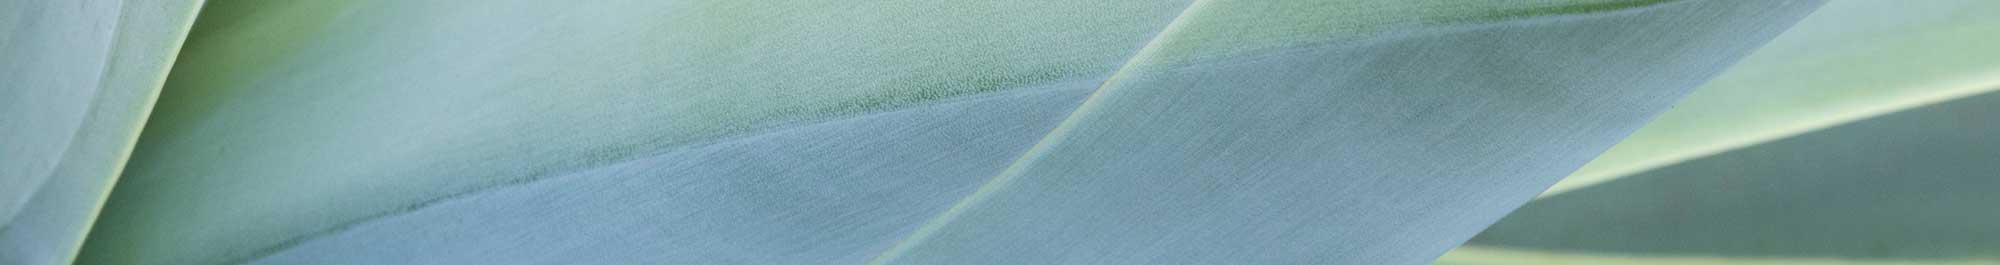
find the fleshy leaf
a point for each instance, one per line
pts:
(80, 78)
(1848, 61)
(809, 131)
(1384, 151)
(829, 193)
(1909, 187)
(290, 119)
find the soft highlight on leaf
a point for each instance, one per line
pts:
(297, 118)
(1911, 186)
(80, 78)
(1848, 61)
(902, 132)
(1256, 160)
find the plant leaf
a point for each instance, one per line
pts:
(1908, 187)
(809, 131)
(291, 119)
(1384, 151)
(831, 193)
(1849, 61)
(81, 77)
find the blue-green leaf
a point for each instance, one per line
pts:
(77, 81)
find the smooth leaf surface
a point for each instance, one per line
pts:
(1848, 61)
(1909, 187)
(829, 193)
(53, 75)
(80, 80)
(297, 118)
(1387, 151)
(909, 132)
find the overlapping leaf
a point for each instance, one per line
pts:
(624, 131)
(920, 132)
(1756, 166)
(77, 80)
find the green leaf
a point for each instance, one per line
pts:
(906, 132)
(291, 119)
(1849, 61)
(81, 77)
(1792, 156)
(898, 132)
(1385, 150)
(1906, 188)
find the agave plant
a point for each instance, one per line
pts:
(998, 132)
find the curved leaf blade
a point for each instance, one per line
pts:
(81, 79)
(1256, 160)
(1848, 61)
(1913, 186)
